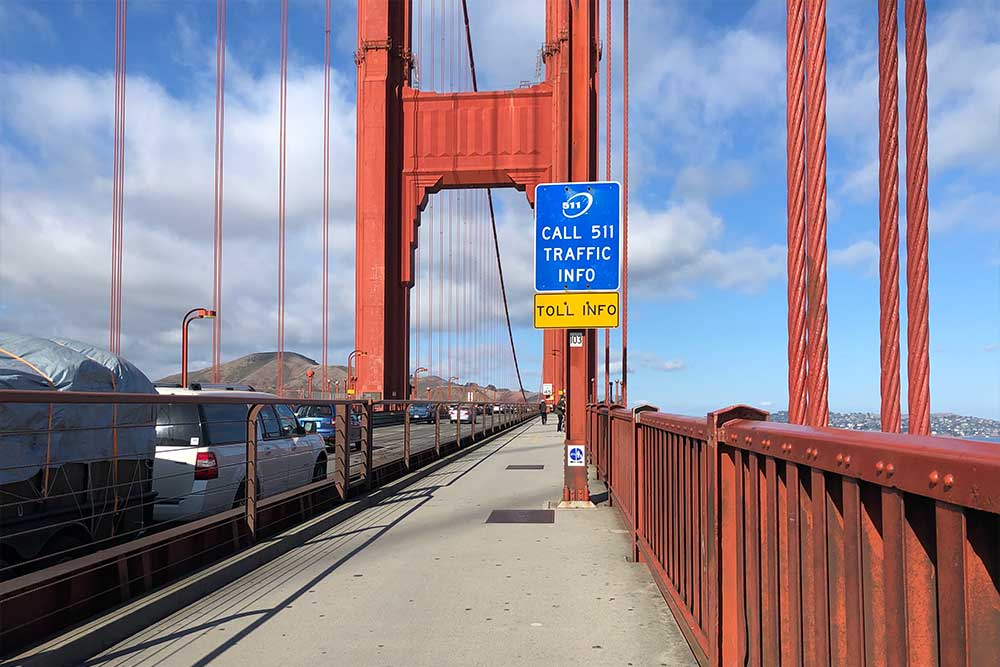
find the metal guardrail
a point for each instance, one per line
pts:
(783, 544)
(45, 594)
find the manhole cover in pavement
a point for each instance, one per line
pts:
(522, 516)
(526, 466)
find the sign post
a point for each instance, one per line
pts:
(577, 278)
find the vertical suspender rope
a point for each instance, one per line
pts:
(282, 104)
(817, 384)
(220, 124)
(326, 203)
(796, 229)
(117, 218)
(917, 312)
(493, 222)
(607, 177)
(416, 255)
(625, 202)
(888, 133)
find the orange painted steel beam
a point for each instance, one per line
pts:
(471, 140)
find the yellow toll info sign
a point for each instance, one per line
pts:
(576, 310)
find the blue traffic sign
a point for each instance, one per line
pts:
(577, 237)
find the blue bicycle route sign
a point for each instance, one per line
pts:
(577, 237)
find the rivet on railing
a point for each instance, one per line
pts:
(949, 480)
(935, 477)
(879, 467)
(847, 461)
(748, 439)
(840, 459)
(889, 469)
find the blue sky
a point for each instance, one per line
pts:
(708, 187)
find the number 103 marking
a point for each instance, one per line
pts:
(602, 231)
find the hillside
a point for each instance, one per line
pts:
(260, 369)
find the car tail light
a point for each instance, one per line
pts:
(205, 466)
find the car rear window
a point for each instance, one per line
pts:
(225, 424)
(177, 424)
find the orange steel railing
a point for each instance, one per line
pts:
(787, 544)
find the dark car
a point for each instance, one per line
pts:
(422, 412)
(323, 416)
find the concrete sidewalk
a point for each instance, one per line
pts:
(421, 579)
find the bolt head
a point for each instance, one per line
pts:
(879, 467)
(890, 469)
(934, 477)
(949, 480)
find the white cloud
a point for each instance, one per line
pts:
(654, 362)
(55, 209)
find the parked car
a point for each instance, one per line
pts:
(200, 464)
(462, 413)
(422, 412)
(323, 416)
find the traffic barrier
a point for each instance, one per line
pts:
(45, 594)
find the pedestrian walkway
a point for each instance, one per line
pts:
(421, 579)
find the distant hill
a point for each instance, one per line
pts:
(942, 423)
(260, 371)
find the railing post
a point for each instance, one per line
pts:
(406, 436)
(640, 478)
(437, 430)
(721, 542)
(250, 485)
(367, 455)
(458, 425)
(341, 450)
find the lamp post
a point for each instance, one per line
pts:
(328, 394)
(351, 379)
(309, 374)
(193, 314)
(416, 386)
(453, 377)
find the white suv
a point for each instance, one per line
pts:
(200, 465)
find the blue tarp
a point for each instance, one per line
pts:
(63, 432)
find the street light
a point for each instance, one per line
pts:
(193, 314)
(328, 394)
(351, 377)
(453, 377)
(416, 386)
(309, 374)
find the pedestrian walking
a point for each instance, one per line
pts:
(561, 411)
(543, 410)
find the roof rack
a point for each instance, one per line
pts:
(201, 386)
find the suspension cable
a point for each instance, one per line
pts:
(625, 202)
(326, 202)
(493, 221)
(220, 124)
(117, 201)
(282, 131)
(607, 176)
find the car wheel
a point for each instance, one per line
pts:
(319, 470)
